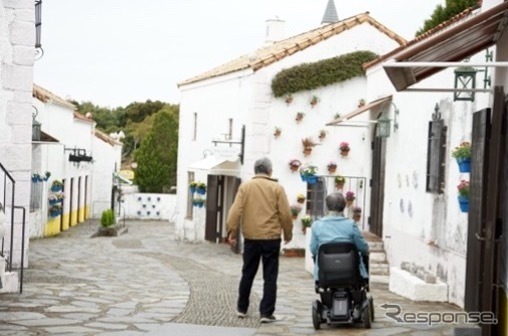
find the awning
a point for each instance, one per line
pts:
(373, 104)
(454, 44)
(216, 166)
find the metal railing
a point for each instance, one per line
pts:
(7, 189)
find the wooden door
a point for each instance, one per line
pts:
(377, 184)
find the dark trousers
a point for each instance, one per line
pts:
(268, 252)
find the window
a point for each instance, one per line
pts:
(436, 148)
(190, 178)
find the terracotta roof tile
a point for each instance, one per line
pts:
(443, 26)
(106, 138)
(47, 96)
(267, 55)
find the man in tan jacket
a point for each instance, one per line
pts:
(262, 206)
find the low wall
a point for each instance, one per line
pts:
(145, 206)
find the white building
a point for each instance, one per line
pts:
(17, 50)
(237, 96)
(417, 213)
(74, 152)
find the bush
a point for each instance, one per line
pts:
(108, 218)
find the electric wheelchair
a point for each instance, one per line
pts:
(345, 297)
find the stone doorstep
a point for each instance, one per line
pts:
(379, 269)
(10, 282)
(377, 257)
(409, 286)
(376, 247)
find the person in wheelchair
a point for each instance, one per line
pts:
(331, 235)
(334, 227)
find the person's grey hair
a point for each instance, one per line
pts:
(263, 166)
(335, 202)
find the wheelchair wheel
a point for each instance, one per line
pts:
(316, 315)
(366, 316)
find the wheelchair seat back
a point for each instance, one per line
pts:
(338, 265)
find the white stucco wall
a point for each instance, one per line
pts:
(17, 36)
(247, 99)
(107, 160)
(422, 227)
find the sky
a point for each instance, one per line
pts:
(115, 52)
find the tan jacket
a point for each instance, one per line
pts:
(262, 205)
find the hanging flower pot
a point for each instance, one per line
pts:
(332, 167)
(357, 217)
(464, 165)
(344, 149)
(312, 179)
(294, 165)
(339, 182)
(300, 198)
(462, 154)
(463, 204)
(463, 198)
(350, 198)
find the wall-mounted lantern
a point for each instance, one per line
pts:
(36, 126)
(383, 127)
(465, 78)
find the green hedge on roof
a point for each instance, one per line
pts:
(308, 76)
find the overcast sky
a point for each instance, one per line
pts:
(114, 52)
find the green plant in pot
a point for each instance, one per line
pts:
(108, 218)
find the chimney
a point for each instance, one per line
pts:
(274, 30)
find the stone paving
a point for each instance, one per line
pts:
(146, 283)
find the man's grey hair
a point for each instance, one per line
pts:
(335, 202)
(263, 166)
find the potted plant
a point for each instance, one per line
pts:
(201, 188)
(108, 218)
(322, 135)
(308, 143)
(339, 182)
(357, 213)
(332, 167)
(198, 201)
(350, 198)
(55, 210)
(299, 117)
(361, 102)
(463, 189)
(314, 100)
(193, 185)
(462, 154)
(295, 210)
(294, 164)
(277, 132)
(308, 174)
(336, 116)
(52, 199)
(300, 198)
(289, 99)
(57, 185)
(344, 148)
(306, 222)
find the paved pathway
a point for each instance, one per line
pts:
(146, 283)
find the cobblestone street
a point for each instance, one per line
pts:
(145, 283)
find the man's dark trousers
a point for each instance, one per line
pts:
(268, 252)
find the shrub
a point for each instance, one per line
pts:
(108, 218)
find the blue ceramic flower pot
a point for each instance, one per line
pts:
(464, 165)
(464, 204)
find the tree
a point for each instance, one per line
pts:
(157, 155)
(442, 14)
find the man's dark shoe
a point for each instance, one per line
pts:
(267, 319)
